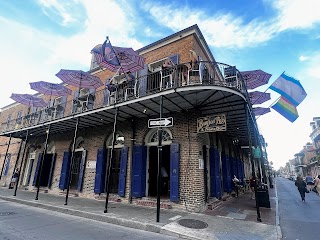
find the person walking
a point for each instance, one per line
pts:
(302, 188)
(309, 182)
(236, 185)
(317, 184)
(14, 178)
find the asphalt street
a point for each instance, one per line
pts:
(24, 222)
(298, 220)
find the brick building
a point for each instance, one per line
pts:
(212, 119)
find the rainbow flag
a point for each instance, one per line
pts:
(286, 109)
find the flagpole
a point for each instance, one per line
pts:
(260, 96)
(269, 106)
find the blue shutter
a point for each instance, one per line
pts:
(123, 171)
(53, 161)
(100, 178)
(106, 96)
(37, 170)
(143, 76)
(7, 164)
(92, 92)
(174, 171)
(231, 164)
(226, 173)
(64, 176)
(139, 163)
(82, 169)
(60, 110)
(215, 179)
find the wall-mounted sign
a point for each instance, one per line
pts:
(213, 123)
(91, 164)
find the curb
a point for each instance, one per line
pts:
(117, 221)
(279, 232)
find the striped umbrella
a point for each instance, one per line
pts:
(79, 78)
(255, 78)
(52, 89)
(29, 100)
(257, 97)
(117, 58)
(260, 111)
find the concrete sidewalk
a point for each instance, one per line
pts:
(174, 222)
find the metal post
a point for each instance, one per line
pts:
(159, 161)
(71, 161)
(133, 135)
(24, 150)
(5, 157)
(252, 164)
(15, 164)
(108, 185)
(41, 163)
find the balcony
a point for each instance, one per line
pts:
(208, 87)
(315, 135)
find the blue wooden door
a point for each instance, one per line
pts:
(82, 169)
(174, 171)
(7, 166)
(215, 179)
(123, 171)
(64, 176)
(53, 161)
(101, 167)
(35, 177)
(226, 173)
(139, 163)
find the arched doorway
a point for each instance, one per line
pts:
(151, 141)
(28, 166)
(78, 166)
(48, 162)
(116, 163)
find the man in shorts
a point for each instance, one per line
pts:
(309, 182)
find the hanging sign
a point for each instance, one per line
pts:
(257, 153)
(213, 123)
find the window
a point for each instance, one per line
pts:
(19, 118)
(8, 121)
(83, 92)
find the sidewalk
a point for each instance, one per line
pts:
(213, 224)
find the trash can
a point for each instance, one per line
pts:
(263, 196)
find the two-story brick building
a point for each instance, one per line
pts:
(212, 119)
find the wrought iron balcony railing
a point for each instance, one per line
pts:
(179, 76)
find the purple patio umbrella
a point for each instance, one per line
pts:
(255, 78)
(79, 78)
(29, 100)
(257, 97)
(117, 59)
(260, 111)
(52, 89)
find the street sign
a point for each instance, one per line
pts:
(160, 122)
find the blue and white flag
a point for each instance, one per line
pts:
(290, 88)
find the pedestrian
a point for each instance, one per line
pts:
(252, 182)
(302, 187)
(236, 185)
(309, 182)
(317, 184)
(14, 178)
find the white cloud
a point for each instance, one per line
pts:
(293, 14)
(303, 58)
(54, 7)
(220, 30)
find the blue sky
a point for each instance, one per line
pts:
(39, 37)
